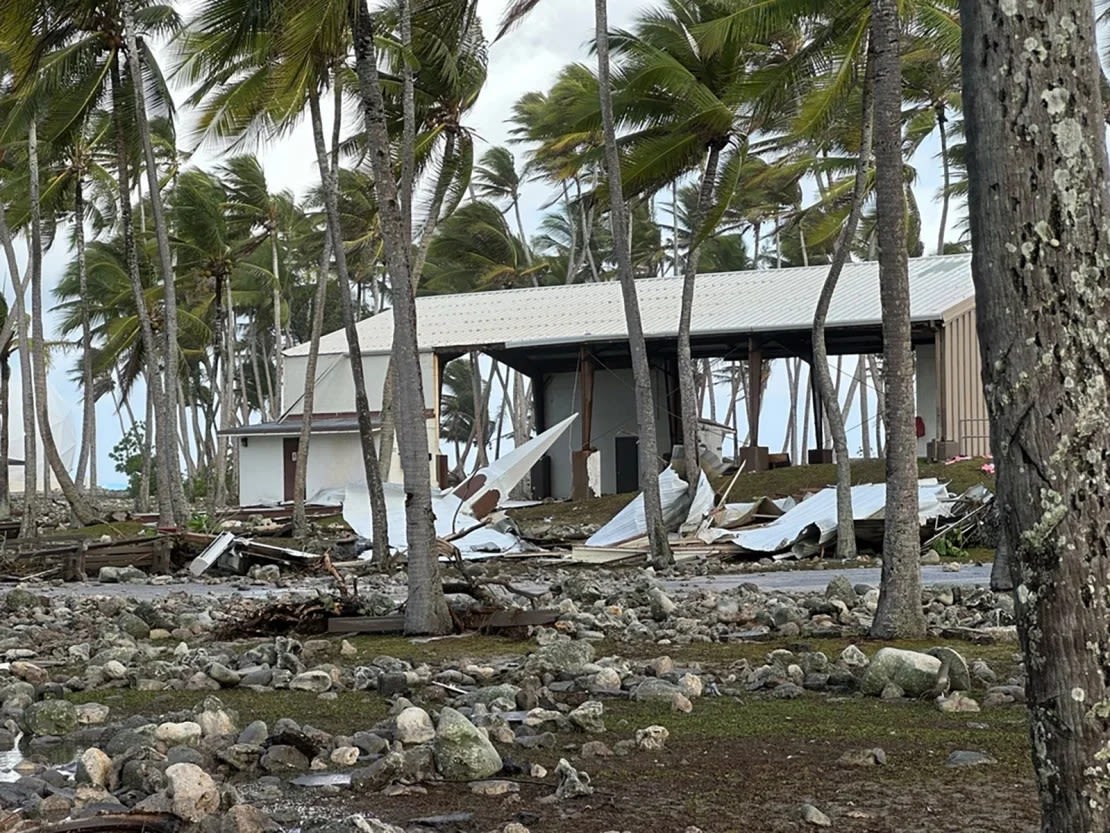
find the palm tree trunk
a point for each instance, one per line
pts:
(308, 401)
(899, 612)
(426, 610)
(5, 431)
(14, 328)
(183, 432)
(659, 546)
(674, 227)
(146, 328)
(807, 409)
(480, 416)
(88, 421)
(358, 377)
(689, 405)
(147, 473)
(80, 507)
(279, 342)
(169, 470)
(880, 403)
(845, 523)
(946, 176)
(864, 407)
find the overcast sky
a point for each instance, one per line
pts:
(527, 59)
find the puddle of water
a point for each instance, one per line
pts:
(323, 779)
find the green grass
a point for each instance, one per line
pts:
(477, 648)
(351, 711)
(850, 722)
(117, 529)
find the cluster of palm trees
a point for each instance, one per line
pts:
(722, 134)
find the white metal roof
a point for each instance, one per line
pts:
(767, 300)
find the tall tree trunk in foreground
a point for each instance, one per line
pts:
(5, 431)
(946, 175)
(87, 457)
(845, 522)
(686, 393)
(1039, 210)
(154, 380)
(308, 401)
(77, 502)
(426, 610)
(661, 555)
(899, 612)
(481, 414)
(279, 342)
(168, 467)
(330, 185)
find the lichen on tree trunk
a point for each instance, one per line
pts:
(1038, 209)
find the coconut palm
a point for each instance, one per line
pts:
(474, 249)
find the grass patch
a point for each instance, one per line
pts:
(351, 711)
(117, 529)
(849, 722)
(793, 481)
(578, 512)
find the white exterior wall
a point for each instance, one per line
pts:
(261, 471)
(925, 356)
(335, 391)
(614, 414)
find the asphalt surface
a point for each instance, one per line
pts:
(804, 580)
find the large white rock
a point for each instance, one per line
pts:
(462, 752)
(193, 793)
(94, 767)
(915, 673)
(179, 734)
(414, 725)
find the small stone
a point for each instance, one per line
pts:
(608, 680)
(572, 782)
(595, 749)
(283, 758)
(92, 714)
(413, 725)
(691, 685)
(652, 738)
(841, 590)
(194, 793)
(538, 771)
(963, 757)
(930, 558)
(379, 774)
(214, 719)
(94, 767)
(951, 567)
(892, 691)
(492, 789)
(345, 756)
(853, 658)
(223, 675)
(514, 827)
(246, 818)
(315, 681)
(34, 674)
(347, 650)
(956, 702)
(914, 672)
(255, 733)
(114, 670)
(875, 756)
(661, 604)
(811, 815)
(179, 734)
(680, 704)
(588, 717)
(655, 689)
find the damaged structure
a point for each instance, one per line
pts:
(571, 341)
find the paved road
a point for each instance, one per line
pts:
(806, 580)
(788, 580)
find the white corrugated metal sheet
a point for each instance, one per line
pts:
(812, 523)
(769, 300)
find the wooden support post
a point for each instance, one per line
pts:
(160, 566)
(818, 454)
(755, 455)
(579, 471)
(541, 472)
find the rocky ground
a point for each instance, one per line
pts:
(647, 706)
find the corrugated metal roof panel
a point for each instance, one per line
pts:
(767, 300)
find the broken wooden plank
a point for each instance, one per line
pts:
(367, 624)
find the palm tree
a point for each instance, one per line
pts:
(496, 179)
(426, 610)
(899, 611)
(474, 249)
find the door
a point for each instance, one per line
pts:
(289, 447)
(627, 458)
